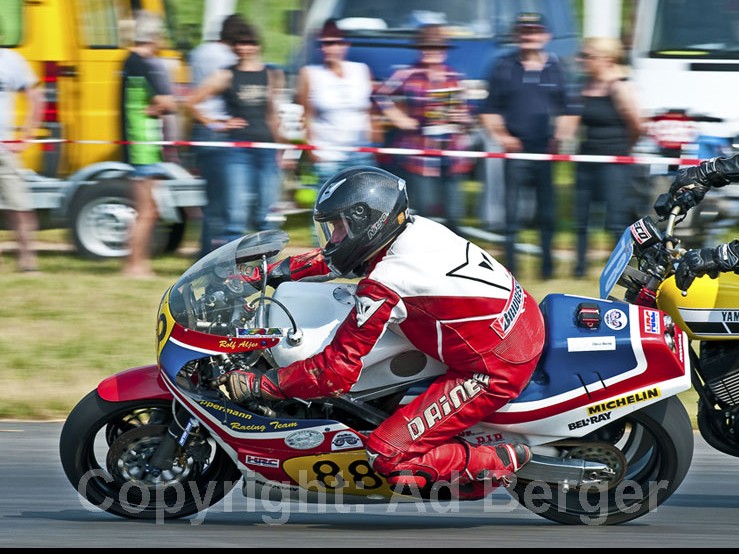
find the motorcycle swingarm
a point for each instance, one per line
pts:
(570, 473)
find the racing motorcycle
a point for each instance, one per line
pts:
(643, 265)
(611, 439)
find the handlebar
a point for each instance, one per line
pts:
(670, 229)
(672, 248)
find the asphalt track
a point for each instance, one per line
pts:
(39, 508)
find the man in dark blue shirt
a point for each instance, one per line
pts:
(526, 112)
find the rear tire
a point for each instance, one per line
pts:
(657, 444)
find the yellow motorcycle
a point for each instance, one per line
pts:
(643, 264)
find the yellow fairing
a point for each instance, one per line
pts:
(340, 472)
(165, 323)
(709, 310)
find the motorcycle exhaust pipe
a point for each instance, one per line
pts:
(568, 474)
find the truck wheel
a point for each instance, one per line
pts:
(101, 216)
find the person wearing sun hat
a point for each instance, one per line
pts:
(425, 102)
(528, 110)
(335, 96)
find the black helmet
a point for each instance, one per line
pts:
(358, 211)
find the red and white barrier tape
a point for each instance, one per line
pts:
(642, 160)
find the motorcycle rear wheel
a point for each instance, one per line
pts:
(104, 447)
(657, 444)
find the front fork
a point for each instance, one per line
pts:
(176, 436)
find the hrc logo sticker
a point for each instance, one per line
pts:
(651, 322)
(261, 461)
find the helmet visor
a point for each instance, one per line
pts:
(332, 233)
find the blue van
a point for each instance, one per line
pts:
(382, 32)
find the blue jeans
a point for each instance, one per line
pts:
(212, 162)
(256, 185)
(609, 184)
(436, 197)
(146, 171)
(325, 170)
(537, 174)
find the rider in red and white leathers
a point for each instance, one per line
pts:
(450, 298)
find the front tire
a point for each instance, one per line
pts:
(656, 444)
(105, 448)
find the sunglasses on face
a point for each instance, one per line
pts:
(332, 42)
(531, 30)
(246, 43)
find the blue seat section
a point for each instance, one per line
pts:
(562, 370)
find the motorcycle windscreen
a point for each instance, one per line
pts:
(617, 262)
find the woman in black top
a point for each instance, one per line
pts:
(609, 125)
(249, 89)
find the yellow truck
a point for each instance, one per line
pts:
(76, 48)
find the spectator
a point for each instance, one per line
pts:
(146, 96)
(336, 100)
(213, 54)
(610, 126)
(16, 76)
(434, 115)
(528, 111)
(249, 91)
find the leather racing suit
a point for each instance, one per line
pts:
(454, 302)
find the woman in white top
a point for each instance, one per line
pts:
(336, 99)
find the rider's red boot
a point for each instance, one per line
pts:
(474, 470)
(489, 467)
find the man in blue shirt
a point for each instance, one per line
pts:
(526, 112)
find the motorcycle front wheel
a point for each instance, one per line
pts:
(650, 451)
(105, 447)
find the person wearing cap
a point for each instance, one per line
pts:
(336, 100)
(426, 103)
(146, 97)
(528, 110)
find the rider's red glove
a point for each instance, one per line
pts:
(243, 386)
